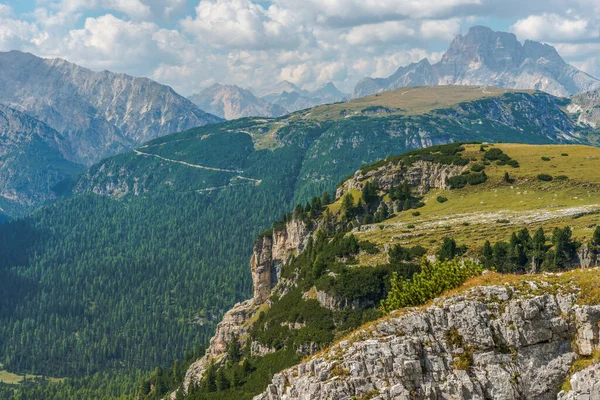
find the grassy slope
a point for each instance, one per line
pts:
(471, 214)
(407, 101)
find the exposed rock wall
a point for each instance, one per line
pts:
(585, 385)
(421, 176)
(492, 343)
(269, 254)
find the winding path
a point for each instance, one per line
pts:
(231, 171)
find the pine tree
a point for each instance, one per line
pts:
(596, 236)
(448, 250)
(326, 199)
(221, 381)
(488, 254)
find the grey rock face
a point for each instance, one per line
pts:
(491, 343)
(269, 252)
(585, 385)
(485, 57)
(272, 251)
(99, 113)
(422, 176)
(31, 161)
(232, 102)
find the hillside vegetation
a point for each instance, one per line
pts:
(149, 248)
(354, 265)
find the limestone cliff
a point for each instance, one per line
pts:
(270, 251)
(496, 342)
(421, 176)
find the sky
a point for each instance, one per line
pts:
(190, 44)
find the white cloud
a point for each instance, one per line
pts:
(6, 11)
(554, 28)
(240, 24)
(108, 42)
(309, 42)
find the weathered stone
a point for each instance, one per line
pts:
(486, 344)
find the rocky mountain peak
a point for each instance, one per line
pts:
(232, 102)
(99, 113)
(486, 57)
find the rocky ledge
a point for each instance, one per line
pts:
(494, 342)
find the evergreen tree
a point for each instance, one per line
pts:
(221, 381)
(326, 199)
(596, 236)
(448, 250)
(488, 254)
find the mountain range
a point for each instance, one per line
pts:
(232, 102)
(98, 113)
(485, 57)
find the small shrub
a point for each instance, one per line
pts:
(442, 199)
(476, 179)
(545, 158)
(410, 226)
(561, 178)
(503, 221)
(513, 163)
(457, 182)
(416, 213)
(565, 155)
(477, 168)
(545, 177)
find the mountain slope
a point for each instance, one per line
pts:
(485, 57)
(99, 113)
(321, 272)
(31, 161)
(142, 230)
(232, 102)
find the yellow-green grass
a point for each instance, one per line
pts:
(336, 206)
(267, 140)
(14, 379)
(495, 209)
(406, 101)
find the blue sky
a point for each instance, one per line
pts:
(190, 44)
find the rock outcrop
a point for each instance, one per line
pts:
(585, 385)
(485, 57)
(270, 252)
(421, 176)
(496, 342)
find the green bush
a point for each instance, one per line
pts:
(476, 179)
(561, 178)
(432, 281)
(416, 213)
(477, 168)
(565, 155)
(442, 199)
(513, 163)
(545, 158)
(545, 177)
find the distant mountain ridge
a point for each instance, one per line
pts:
(485, 57)
(292, 98)
(232, 102)
(99, 113)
